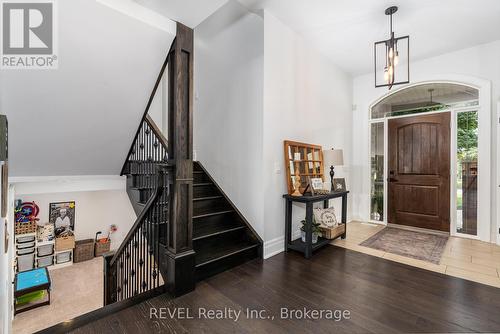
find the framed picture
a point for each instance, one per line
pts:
(62, 216)
(339, 184)
(316, 183)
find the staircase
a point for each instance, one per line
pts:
(187, 229)
(222, 238)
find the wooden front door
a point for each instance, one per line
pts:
(419, 171)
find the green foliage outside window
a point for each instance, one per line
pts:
(467, 136)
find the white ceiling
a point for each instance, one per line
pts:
(188, 12)
(80, 118)
(345, 30)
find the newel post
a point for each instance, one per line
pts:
(179, 251)
(110, 283)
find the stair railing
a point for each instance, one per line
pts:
(161, 238)
(134, 268)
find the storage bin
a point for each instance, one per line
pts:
(332, 232)
(25, 262)
(84, 250)
(102, 248)
(25, 251)
(45, 261)
(65, 243)
(26, 245)
(25, 238)
(63, 257)
(45, 250)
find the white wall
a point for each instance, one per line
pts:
(229, 50)
(80, 119)
(158, 108)
(479, 62)
(95, 211)
(307, 98)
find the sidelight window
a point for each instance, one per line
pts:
(377, 172)
(467, 172)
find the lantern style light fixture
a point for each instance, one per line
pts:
(392, 66)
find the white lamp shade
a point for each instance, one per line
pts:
(333, 157)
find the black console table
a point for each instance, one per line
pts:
(307, 247)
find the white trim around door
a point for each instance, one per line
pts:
(484, 216)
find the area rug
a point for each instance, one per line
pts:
(417, 245)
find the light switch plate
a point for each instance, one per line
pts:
(277, 168)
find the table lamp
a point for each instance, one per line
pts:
(333, 158)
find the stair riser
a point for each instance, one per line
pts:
(206, 243)
(212, 205)
(145, 194)
(205, 191)
(196, 167)
(138, 168)
(227, 263)
(143, 181)
(200, 178)
(217, 219)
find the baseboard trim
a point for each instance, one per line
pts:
(277, 245)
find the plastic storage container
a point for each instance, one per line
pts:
(25, 238)
(63, 257)
(25, 245)
(45, 250)
(45, 261)
(26, 262)
(25, 251)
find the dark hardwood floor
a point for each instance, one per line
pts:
(382, 297)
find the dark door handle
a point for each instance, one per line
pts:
(392, 179)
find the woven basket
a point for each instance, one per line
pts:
(102, 247)
(23, 228)
(84, 250)
(332, 232)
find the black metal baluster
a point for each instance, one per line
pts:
(157, 245)
(148, 259)
(141, 263)
(136, 250)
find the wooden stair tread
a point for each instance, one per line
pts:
(207, 198)
(202, 184)
(222, 250)
(212, 212)
(209, 229)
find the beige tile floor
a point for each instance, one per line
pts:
(76, 289)
(465, 258)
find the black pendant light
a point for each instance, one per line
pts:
(391, 56)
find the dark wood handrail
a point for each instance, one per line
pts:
(157, 131)
(148, 105)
